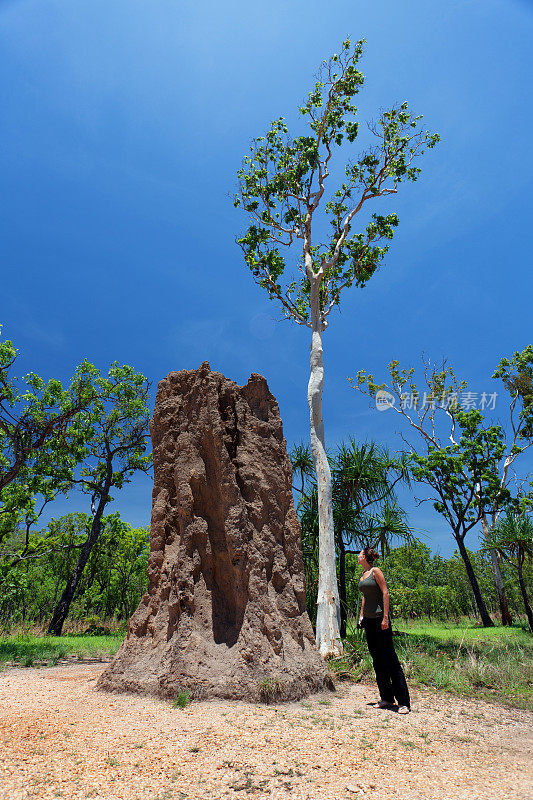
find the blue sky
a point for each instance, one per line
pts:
(123, 125)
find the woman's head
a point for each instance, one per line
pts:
(368, 555)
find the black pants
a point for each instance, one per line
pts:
(389, 673)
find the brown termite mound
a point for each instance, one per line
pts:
(224, 614)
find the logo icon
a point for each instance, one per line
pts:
(384, 400)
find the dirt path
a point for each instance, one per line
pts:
(59, 737)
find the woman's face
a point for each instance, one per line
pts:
(361, 557)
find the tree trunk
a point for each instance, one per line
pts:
(61, 610)
(328, 605)
(498, 580)
(522, 583)
(484, 614)
(500, 588)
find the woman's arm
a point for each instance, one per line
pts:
(361, 614)
(380, 580)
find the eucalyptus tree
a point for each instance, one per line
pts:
(471, 477)
(115, 433)
(113, 581)
(117, 569)
(285, 186)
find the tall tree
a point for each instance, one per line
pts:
(40, 442)
(115, 433)
(282, 186)
(117, 568)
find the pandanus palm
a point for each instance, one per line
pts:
(512, 538)
(365, 507)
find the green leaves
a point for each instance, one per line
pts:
(466, 474)
(516, 374)
(91, 434)
(283, 181)
(512, 537)
(365, 505)
(113, 581)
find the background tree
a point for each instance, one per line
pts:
(112, 583)
(32, 423)
(516, 375)
(423, 584)
(302, 465)
(465, 474)
(37, 455)
(365, 506)
(475, 478)
(114, 433)
(282, 185)
(117, 571)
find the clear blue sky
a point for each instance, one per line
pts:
(123, 124)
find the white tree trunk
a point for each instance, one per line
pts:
(328, 605)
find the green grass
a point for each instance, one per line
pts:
(467, 632)
(182, 699)
(490, 663)
(26, 649)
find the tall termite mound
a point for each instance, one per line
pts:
(224, 614)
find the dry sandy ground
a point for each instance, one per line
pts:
(59, 737)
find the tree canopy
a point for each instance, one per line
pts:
(284, 180)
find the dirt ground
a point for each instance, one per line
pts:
(60, 737)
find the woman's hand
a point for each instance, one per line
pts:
(384, 624)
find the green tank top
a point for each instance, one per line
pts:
(373, 596)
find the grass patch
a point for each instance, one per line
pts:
(488, 663)
(467, 632)
(182, 699)
(27, 649)
(270, 689)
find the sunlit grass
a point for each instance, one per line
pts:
(25, 649)
(467, 632)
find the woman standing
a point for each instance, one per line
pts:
(374, 618)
